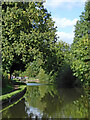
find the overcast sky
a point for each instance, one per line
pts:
(65, 13)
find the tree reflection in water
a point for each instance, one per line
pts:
(47, 101)
(57, 103)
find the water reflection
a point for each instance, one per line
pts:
(56, 103)
(16, 111)
(46, 101)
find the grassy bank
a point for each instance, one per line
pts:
(9, 95)
(13, 97)
(9, 90)
(10, 86)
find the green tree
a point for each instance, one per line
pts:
(80, 49)
(80, 59)
(27, 28)
(82, 26)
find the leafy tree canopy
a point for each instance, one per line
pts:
(27, 28)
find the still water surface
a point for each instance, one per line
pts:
(48, 101)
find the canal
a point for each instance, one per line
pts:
(48, 101)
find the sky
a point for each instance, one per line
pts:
(65, 13)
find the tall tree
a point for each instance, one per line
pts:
(27, 28)
(82, 26)
(80, 49)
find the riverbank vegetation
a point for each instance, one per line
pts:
(30, 46)
(9, 95)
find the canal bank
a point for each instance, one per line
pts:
(19, 89)
(13, 95)
(47, 101)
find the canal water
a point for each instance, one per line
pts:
(48, 101)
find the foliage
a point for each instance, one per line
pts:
(61, 73)
(33, 68)
(42, 76)
(62, 51)
(80, 49)
(82, 26)
(30, 46)
(27, 28)
(56, 59)
(9, 95)
(80, 61)
(17, 73)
